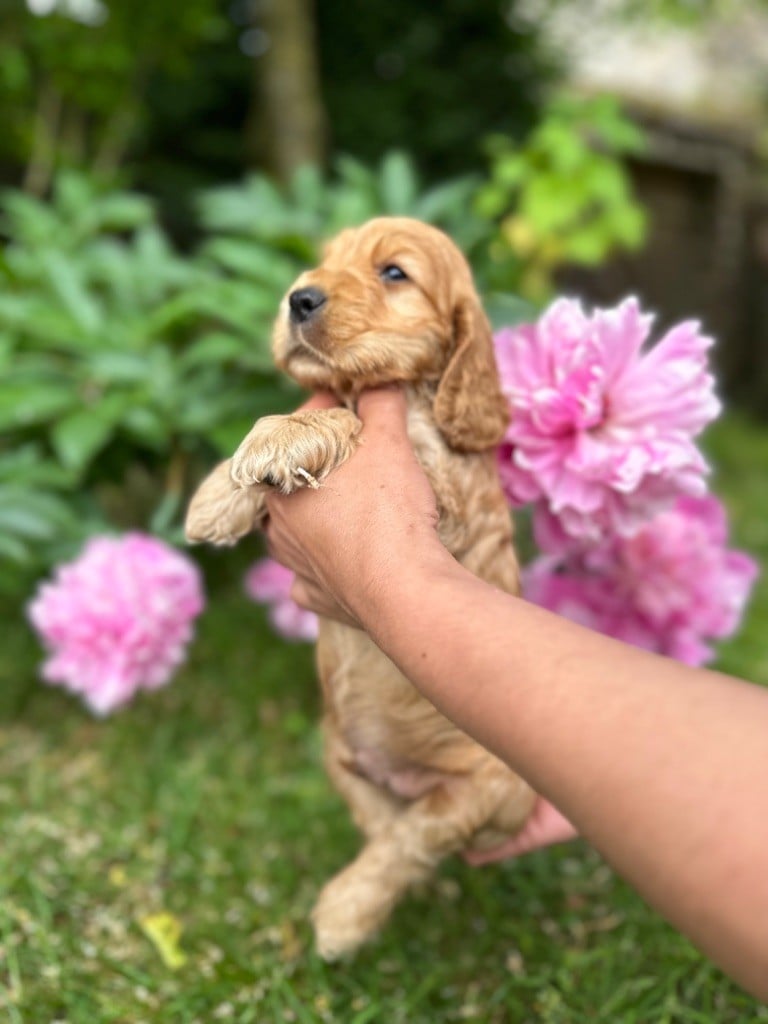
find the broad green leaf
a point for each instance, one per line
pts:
(76, 438)
(227, 435)
(26, 402)
(164, 514)
(109, 368)
(147, 426)
(28, 220)
(13, 549)
(443, 202)
(217, 347)
(67, 285)
(21, 518)
(507, 310)
(27, 466)
(121, 211)
(254, 260)
(398, 184)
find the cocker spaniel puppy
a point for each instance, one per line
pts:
(392, 300)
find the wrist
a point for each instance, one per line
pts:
(393, 576)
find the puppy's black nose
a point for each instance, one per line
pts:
(304, 302)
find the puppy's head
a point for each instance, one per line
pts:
(394, 301)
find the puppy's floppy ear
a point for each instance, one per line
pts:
(470, 409)
(220, 512)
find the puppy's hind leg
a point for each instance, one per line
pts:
(354, 904)
(373, 809)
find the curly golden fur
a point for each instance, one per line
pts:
(418, 788)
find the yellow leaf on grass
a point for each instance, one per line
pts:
(117, 875)
(164, 932)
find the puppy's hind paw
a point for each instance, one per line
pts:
(346, 915)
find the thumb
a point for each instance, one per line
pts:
(384, 408)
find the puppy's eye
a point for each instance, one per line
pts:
(392, 273)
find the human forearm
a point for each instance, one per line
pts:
(663, 768)
(659, 766)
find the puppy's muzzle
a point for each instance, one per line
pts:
(304, 303)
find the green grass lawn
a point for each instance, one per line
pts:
(206, 801)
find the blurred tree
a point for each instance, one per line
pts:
(434, 79)
(286, 124)
(188, 94)
(86, 67)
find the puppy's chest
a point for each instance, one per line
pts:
(474, 521)
(450, 474)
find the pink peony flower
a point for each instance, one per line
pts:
(601, 436)
(118, 619)
(269, 583)
(671, 587)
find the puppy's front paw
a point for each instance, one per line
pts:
(220, 513)
(288, 452)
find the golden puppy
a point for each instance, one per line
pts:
(392, 300)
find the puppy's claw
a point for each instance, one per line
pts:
(307, 477)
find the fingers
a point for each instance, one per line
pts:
(545, 827)
(313, 598)
(320, 400)
(300, 593)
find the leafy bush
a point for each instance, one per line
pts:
(563, 196)
(295, 221)
(118, 357)
(127, 368)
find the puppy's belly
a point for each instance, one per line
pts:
(393, 736)
(408, 782)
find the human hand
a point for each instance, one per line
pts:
(371, 513)
(545, 826)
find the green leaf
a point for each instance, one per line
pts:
(254, 260)
(506, 310)
(122, 211)
(587, 247)
(147, 426)
(76, 438)
(29, 220)
(447, 201)
(215, 348)
(26, 402)
(398, 184)
(24, 515)
(164, 514)
(511, 170)
(110, 368)
(68, 286)
(13, 549)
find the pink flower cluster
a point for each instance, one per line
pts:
(268, 582)
(601, 443)
(118, 619)
(672, 587)
(601, 435)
